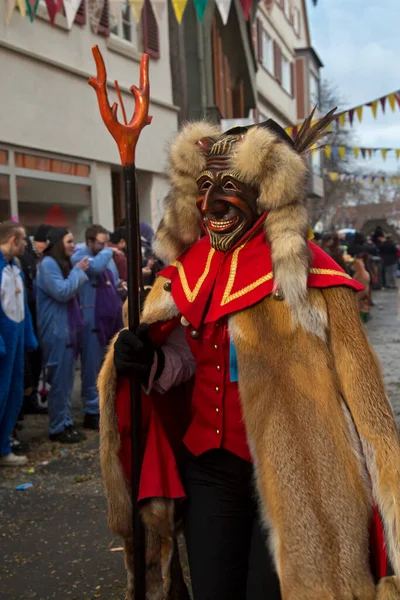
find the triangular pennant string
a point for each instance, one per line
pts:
(200, 6)
(224, 6)
(179, 8)
(392, 101)
(359, 111)
(370, 150)
(363, 152)
(159, 7)
(398, 154)
(71, 7)
(351, 116)
(328, 151)
(246, 6)
(384, 153)
(383, 103)
(53, 7)
(342, 119)
(335, 151)
(342, 152)
(374, 108)
(356, 152)
(136, 7)
(32, 6)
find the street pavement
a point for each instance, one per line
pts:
(54, 541)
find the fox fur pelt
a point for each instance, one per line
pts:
(325, 445)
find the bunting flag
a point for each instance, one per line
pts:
(393, 98)
(342, 151)
(31, 6)
(179, 8)
(200, 6)
(370, 179)
(71, 8)
(10, 6)
(159, 7)
(136, 7)
(53, 7)
(246, 6)
(224, 6)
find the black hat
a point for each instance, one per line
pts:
(41, 233)
(55, 234)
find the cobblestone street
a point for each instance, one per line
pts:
(54, 538)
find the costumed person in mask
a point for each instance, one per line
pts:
(102, 311)
(60, 327)
(290, 440)
(16, 337)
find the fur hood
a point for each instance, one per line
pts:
(261, 159)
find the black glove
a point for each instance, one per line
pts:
(134, 354)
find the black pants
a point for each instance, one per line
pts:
(227, 546)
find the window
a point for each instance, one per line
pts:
(267, 52)
(314, 90)
(126, 27)
(286, 9)
(316, 163)
(286, 75)
(296, 21)
(5, 203)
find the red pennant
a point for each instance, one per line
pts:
(53, 7)
(294, 131)
(397, 96)
(363, 152)
(383, 102)
(351, 116)
(246, 6)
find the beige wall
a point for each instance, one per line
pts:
(46, 103)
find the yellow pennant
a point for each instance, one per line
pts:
(389, 182)
(328, 151)
(384, 153)
(397, 153)
(310, 234)
(334, 176)
(392, 101)
(289, 131)
(356, 152)
(370, 152)
(342, 152)
(22, 7)
(179, 8)
(396, 180)
(342, 119)
(329, 128)
(374, 108)
(359, 111)
(136, 6)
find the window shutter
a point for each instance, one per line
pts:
(292, 85)
(80, 16)
(259, 40)
(151, 37)
(104, 25)
(277, 62)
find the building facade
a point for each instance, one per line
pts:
(289, 71)
(58, 163)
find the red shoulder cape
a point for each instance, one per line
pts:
(239, 278)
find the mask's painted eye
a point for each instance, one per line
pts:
(229, 186)
(205, 185)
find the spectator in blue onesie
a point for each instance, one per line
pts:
(102, 311)
(60, 327)
(16, 336)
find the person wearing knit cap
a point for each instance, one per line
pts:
(60, 328)
(36, 244)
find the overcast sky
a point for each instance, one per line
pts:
(358, 42)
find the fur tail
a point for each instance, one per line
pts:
(389, 589)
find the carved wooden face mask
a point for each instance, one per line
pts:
(228, 206)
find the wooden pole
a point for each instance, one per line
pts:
(126, 135)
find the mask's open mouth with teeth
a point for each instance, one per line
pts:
(222, 223)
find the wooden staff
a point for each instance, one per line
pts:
(126, 135)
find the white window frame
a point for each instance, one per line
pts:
(287, 85)
(313, 99)
(267, 52)
(117, 31)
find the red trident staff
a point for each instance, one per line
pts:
(126, 135)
